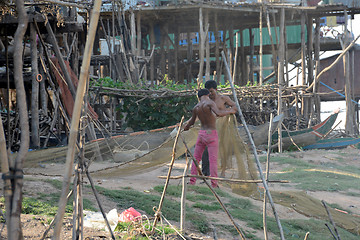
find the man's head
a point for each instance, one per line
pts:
(211, 85)
(203, 92)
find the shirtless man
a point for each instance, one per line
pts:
(222, 102)
(206, 110)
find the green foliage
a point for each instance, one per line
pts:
(156, 113)
(145, 114)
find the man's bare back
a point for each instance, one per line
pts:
(205, 110)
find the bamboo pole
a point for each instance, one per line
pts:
(254, 150)
(331, 220)
(267, 176)
(183, 194)
(223, 179)
(84, 74)
(158, 210)
(99, 203)
(213, 191)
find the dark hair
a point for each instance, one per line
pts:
(203, 92)
(210, 84)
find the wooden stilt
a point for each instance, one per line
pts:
(303, 49)
(189, 56)
(251, 62)
(35, 137)
(176, 56)
(207, 49)
(217, 49)
(261, 46)
(201, 47)
(281, 54)
(317, 68)
(152, 61)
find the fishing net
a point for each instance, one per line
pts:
(125, 155)
(234, 156)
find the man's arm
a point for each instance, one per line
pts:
(191, 121)
(221, 113)
(230, 102)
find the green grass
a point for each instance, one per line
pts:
(131, 198)
(318, 181)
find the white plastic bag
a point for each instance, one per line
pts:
(97, 221)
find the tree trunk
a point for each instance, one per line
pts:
(14, 223)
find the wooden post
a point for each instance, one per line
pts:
(251, 63)
(207, 49)
(317, 68)
(243, 63)
(217, 50)
(189, 56)
(138, 31)
(303, 49)
(133, 33)
(13, 222)
(236, 57)
(201, 48)
(261, 46)
(274, 61)
(231, 46)
(176, 45)
(35, 138)
(281, 54)
(84, 74)
(350, 114)
(310, 50)
(152, 61)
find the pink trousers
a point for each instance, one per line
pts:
(209, 139)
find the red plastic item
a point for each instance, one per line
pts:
(129, 215)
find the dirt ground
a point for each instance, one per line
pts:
(34, 226)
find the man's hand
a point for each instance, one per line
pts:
(233, 110)
(187, 127)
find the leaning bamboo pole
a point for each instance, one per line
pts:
(254, 149)
(158, 210)
(267, 171)
(84, 74)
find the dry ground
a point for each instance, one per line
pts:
(34, 226)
